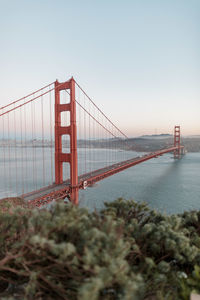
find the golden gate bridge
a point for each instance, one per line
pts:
(56, 125)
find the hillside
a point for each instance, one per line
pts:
(143, 144)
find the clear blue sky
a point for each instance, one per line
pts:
(139, 60)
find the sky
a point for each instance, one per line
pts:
(139, 60)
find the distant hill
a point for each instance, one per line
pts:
(156, 136)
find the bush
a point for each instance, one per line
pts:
(127, 251)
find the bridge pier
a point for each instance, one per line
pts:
(71, 130)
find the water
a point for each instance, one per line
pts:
(26, 169)
(171, 186)
(168, 185)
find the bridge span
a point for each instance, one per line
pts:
(60, 191)
(27, 142)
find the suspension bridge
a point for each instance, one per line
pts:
(56, 141)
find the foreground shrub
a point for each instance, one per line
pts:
(127, 251)
(66, 254)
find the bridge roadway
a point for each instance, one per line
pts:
(60, 191)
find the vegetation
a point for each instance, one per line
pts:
(127, 251)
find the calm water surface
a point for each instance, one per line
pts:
(167, 185)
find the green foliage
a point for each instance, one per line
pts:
(127, 251)
(191, 283)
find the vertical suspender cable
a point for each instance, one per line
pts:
(51, 134)
(22, 152)
(79, 136)
(43, 157)
(98, 130)
(94, 139)
(107, 144)
(9, 160)
(4, 154)
(25, 145)
(90, 161)
(16, 160)
(34, 146)
(85, 134)
(32, 173)
(9, 156)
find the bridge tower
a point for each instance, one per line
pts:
(71, 130)
(177, 141)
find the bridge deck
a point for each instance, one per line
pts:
(61, 190)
